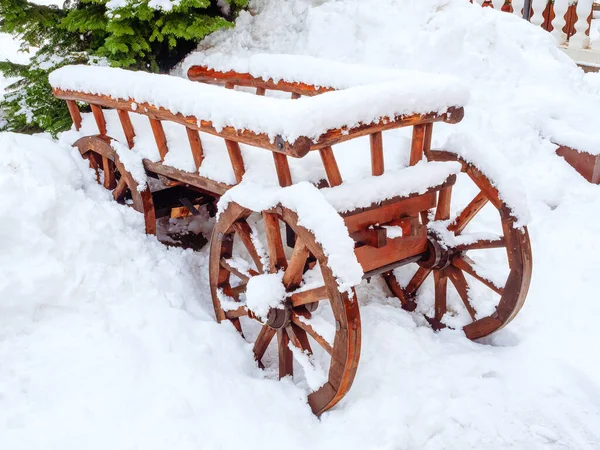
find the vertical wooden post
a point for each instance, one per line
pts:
(295, 96)
(127, 126)
(75, 114)
(377, 164)
(196, 146)
(427, 140)
(331, 167)
(99, 117)
(237, 162)
(283, 169)
(260, 91)
(159, 137)
(418, 139)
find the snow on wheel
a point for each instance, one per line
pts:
(111, 173)
(314, 327)
(479, 278)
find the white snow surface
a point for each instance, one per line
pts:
(265, 291)
(309, 117)
(108, 338)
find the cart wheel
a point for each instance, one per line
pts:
(490, 274)
(323, 341)
(111, 173)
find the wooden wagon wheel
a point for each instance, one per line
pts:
(111, 173)
(235, 259)
(447, 261)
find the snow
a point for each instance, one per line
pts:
(315, 214)
(132, 162)
(264, 292)
(108, 338)
(309, 117)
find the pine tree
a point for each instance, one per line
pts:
(152, 35)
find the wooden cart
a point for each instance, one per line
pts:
(293, 248)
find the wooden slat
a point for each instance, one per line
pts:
(375, 237)
(159, 137)
(331, 167)
(377, 164)
(75, 114)
(282, 168)
(195, 146)
(443, 205)
(260, 91)
(99, 118)
(202, 183)
(237, 162)
(418, 139)
(127, 126)
(427, 140)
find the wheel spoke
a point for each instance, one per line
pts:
(467, 214)
(119, 191)
(109, 174)
(277, 258)
(298, 338)
(295, 269)
(417, 280)
(262, 341)
(286, 357)
(397, 290)
(465, 264)
(462, 287)
(309, 296)
(441, 283)
(443, 204)
(482, 244)
(244, 231)
(242, 276)
(296, 319)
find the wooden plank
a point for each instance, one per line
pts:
(377, 164)
(331, 168)
(418, 140)
(586, 164)
(282, 168)
(127, 126)
(372, 258)
(195, 146)
(75, 113)
(159, 137)
(443, 204)
(427, 140)
(388, 212)
(212, 187)
(99, 118)
(237, 161)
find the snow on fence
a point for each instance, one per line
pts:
(568, 20)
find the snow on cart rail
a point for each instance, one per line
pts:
(332, 221)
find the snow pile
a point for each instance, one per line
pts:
(309, 117)
(315, 214)
(132, 162)
(264, 292)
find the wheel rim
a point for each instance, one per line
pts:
(449, 264)
(111, 174)
(294, 326)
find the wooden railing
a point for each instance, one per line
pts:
(568, 20)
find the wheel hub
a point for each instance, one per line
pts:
(279, 318)
(437, 256)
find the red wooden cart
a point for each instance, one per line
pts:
(426, 237)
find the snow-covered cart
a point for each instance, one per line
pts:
(300, 224)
